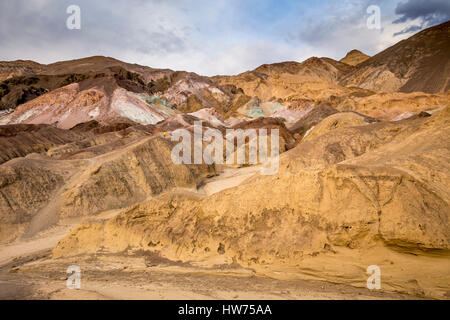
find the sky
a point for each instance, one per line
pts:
(208, 37)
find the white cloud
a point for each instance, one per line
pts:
(207, 37)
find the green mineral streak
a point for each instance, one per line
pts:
(158, 103)
(152, 99)
(254, 110)
(255, 113)
(162, 101)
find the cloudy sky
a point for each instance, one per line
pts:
(208, 36)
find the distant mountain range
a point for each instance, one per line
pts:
(107, 90)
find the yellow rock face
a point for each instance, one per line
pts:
(354, 58)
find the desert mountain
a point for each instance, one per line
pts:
(28, 80)
(87, 175)
(419, 63)
(90, 174)
(106, 90)
(22, 139)
(354, 58)
(323, 68)
(12, 69)
(311, 79)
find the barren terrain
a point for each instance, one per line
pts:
(28, 272)
(88, 177)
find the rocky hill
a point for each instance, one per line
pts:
(354, 58)
(419, 63)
